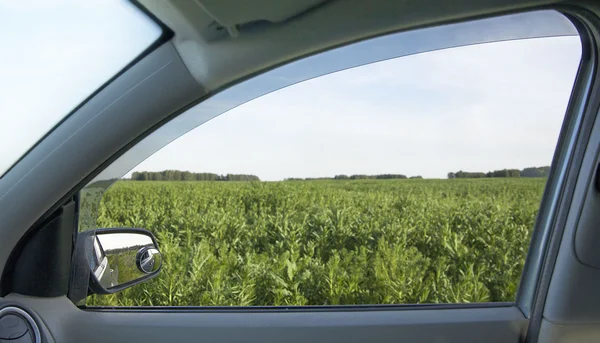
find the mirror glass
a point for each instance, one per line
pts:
(119, 258)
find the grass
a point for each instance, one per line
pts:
(328, 242)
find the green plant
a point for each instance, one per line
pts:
(328, 242)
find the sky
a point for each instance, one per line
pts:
(123, 240)
(475, 108)
(54, 55)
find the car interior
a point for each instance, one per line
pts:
(209, 46)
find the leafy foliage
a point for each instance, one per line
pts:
(527, 172)
(328, 242)
(535, 172)
(178, 175)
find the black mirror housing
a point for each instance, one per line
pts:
(116, 258)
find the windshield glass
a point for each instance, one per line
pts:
(56, 55)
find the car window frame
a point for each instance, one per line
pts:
(581, 114)
(524, 301)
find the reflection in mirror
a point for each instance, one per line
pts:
(148, 260)
(120, 258)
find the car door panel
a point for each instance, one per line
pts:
(67, 323)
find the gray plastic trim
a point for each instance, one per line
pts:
(216, 63)
(71, 324)
(555, 333)
(587, 235)
(12, 309)
(572, 297)
(143, 96)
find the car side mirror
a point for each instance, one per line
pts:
(119, 258)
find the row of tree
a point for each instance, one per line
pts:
(527, 172)
(178, 175)
(535, 172)
(356, 177)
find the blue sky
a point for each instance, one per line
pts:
(476, 108)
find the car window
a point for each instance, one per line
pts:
(411, 180)
(56, 55)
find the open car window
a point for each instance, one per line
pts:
(412, 174)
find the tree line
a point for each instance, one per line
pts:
(527, 172)
(178, 175)
(356, 177)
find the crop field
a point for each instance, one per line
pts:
(328, 242)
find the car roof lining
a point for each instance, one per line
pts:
(259, 44)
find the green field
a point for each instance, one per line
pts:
(328, 242)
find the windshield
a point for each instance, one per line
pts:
(56, 55)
